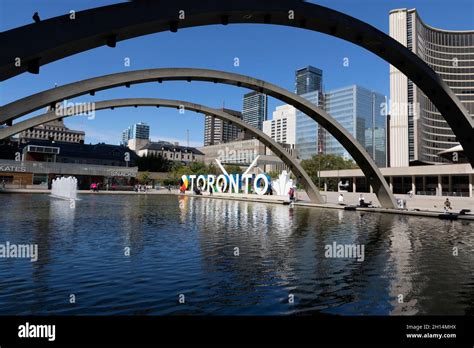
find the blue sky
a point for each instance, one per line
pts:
(268, 52)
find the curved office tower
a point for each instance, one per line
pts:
(418, 131)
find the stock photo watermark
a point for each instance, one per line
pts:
(10, 250)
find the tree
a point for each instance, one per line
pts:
(144, 178)
(322, 162)
(233, 169)
(153, 163)
(274, 174)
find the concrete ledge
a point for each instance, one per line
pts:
(421, 213)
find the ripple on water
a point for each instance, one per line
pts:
(188, 246)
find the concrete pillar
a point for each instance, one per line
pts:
(440, 186)
(471, 180)
(450, 185)
(371, 189)
(325, 186)
(354, 186)
(424, 183)
(413, 184)
(391, 183)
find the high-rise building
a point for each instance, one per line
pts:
(54, 131)
(254, 110)
(282, 127)
(217, 131)
(418, 131)
(361, 112)
(137, 131)
(308, 79)
(309, 135)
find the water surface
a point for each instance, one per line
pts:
(184, 245)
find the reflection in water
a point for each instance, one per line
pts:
(188, 245)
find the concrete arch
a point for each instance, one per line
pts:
(291, 162)
(110, 24)
(52, 96)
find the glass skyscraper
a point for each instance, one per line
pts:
(308, 79)
(359, 111)
(254, 110)
(309, 139)
(136, 131)
(309, 135)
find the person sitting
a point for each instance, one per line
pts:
(361, 200)
(447, 206)
(340, 199)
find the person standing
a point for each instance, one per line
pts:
(291, 193)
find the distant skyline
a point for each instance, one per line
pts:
(271, 53)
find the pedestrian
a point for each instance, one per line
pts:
(447, 206)
(361, 200)
(291, 193)
(340, 199)
(3, 184)
(210, 191)
(169, 188)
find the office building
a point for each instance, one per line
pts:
(361, 112)
(308, 79)
(310, 137)
(137, 131)
(254, 110)
(282, 127)
(217, 131)
(418, 131)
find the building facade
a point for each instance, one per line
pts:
(282, 127)
(308, 79)
(217, 131)
(244, 152)
(361, 112)
(53, 131)
(418, 131)
(137, 131)
(172, 152)
(254, 111)
(42, 161)
(453, 180)
(310, 136)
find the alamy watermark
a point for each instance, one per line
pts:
(74, 109)
(236, 155)
(345, 251)
(21, 251)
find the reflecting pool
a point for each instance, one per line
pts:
(136, 254)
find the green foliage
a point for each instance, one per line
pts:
(274, 174)
(232, 169)
(153, 163)
(326, 162)
(144, 178)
